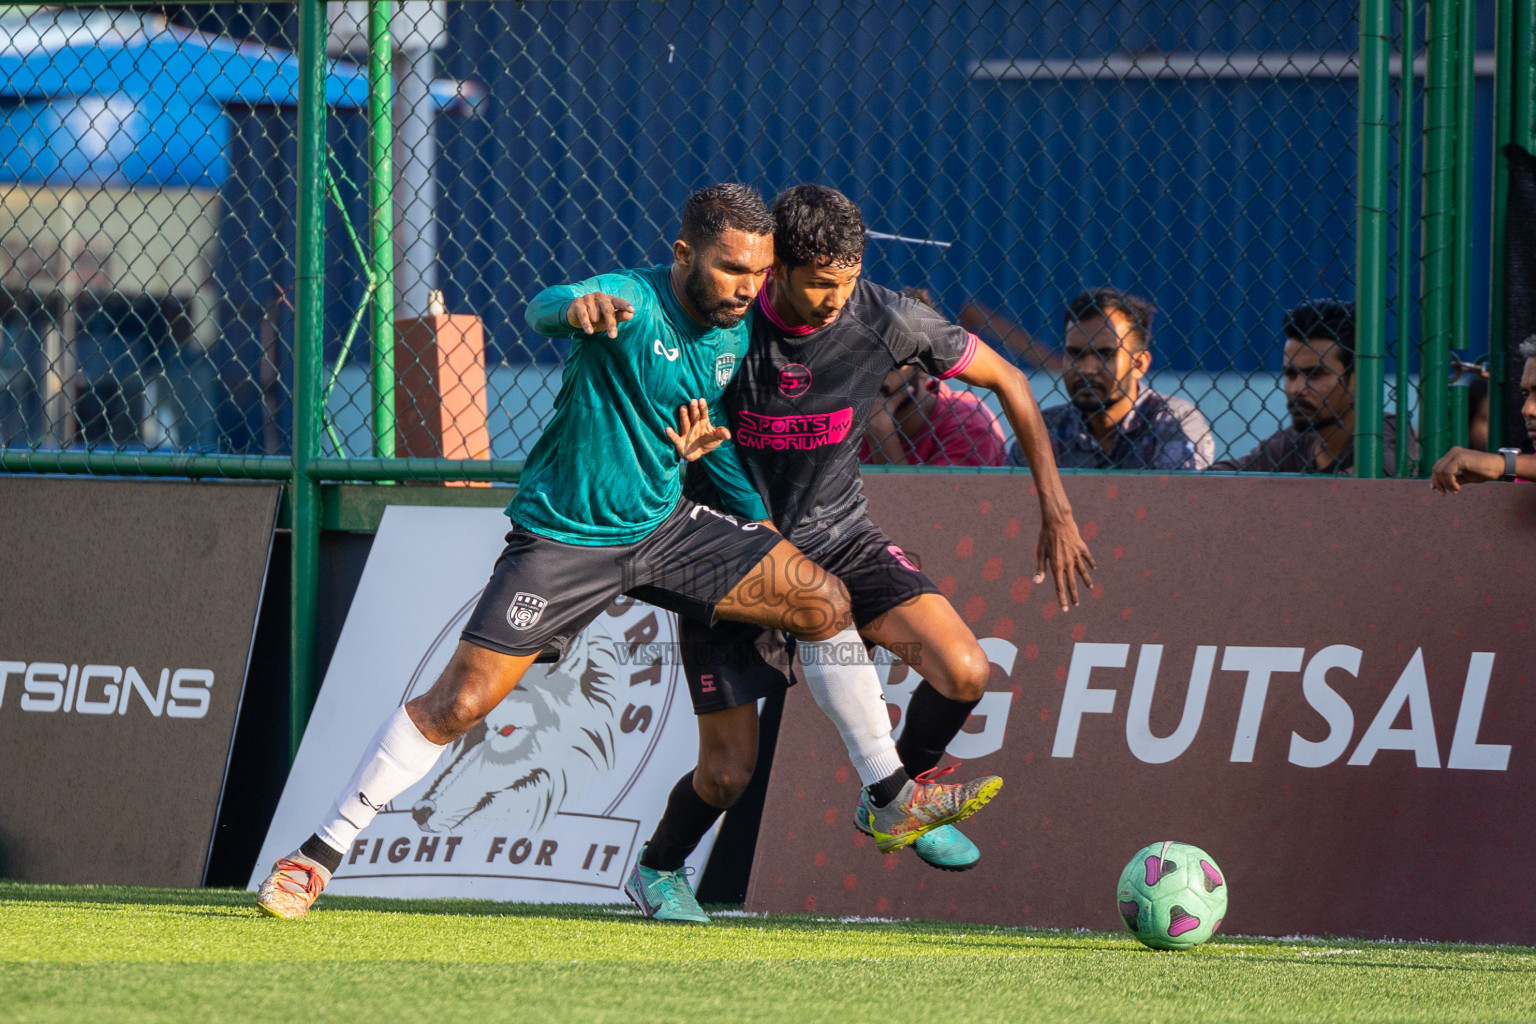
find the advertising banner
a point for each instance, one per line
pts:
(127, 610)
(1326, 684)
(550, 799)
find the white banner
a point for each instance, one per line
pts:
(549, 800)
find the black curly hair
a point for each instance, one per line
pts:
(711, 211)
(816, 223)
(1102, 302)
(1324, 320)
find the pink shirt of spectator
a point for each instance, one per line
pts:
(960, 431)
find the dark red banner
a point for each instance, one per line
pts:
(1324, 683)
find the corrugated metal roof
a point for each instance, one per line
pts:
(112, 98)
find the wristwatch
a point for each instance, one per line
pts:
(1509, 463)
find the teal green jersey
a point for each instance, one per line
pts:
(604, 472)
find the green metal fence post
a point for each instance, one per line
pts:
(1437, 286)
(1514, 120)
(1371, 244)
(1503, 84)
(308, 366)
(1460, 414)
(1523, 71)
(1466, 112)
(381, 223)
(1405, 297)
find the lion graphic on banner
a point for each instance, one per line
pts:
(547, 741)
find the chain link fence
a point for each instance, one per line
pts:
(142, 281)
(1201, 155)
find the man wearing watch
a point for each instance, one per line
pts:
(1465, 466)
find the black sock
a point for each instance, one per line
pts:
(322, 853)
(932, 721)
(682, 825)
(888, 788)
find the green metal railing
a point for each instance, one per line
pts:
(1371, 237)
(1437, 284)
(381, 219)
(308, 369)
(1404, 351)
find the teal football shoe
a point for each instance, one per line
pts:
(948, 849)
(663, 895)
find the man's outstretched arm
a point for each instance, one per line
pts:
(1061, 550)
(1465, 466)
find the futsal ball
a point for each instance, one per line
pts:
(1172, 896)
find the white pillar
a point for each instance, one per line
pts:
(415, 190)
(416, 28)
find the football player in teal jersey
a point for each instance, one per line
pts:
(599, 512)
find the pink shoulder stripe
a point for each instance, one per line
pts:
(971, 341)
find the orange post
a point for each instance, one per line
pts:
(440, 396)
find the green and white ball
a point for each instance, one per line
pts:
(1172, 895)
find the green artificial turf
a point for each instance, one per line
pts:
(117, 954)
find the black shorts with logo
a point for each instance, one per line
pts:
(734, 663)
(543, 592)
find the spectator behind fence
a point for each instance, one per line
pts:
(1319, 383)
(925, 422)
(1114, 421)
(1465, 466)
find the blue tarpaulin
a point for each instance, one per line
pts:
(108, 98)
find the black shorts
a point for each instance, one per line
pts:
(543, 592)
(733, 663)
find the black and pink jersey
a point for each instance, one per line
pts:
(799, 405)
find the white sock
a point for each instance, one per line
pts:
(844, 683)
(397, 758)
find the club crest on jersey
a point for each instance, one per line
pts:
(525, 610)
(725, 365)
(794, 380)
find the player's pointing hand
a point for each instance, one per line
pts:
(694, 435)
(596, 312)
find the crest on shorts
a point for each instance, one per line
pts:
(525, 610)
(725, 365)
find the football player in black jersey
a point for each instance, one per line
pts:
(823, 340)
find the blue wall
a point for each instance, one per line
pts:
(1223, 201)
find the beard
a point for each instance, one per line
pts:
(1094, 396)
(716, 312)
(1305, 418)
(1088, 400)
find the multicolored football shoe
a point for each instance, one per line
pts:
(292, 887)
(925, 805)
(663, 895)
(946, 847)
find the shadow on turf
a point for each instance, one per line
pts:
(199, 901)
(1361, 964)
(945, 932)
(196, 899)
(238, 898)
